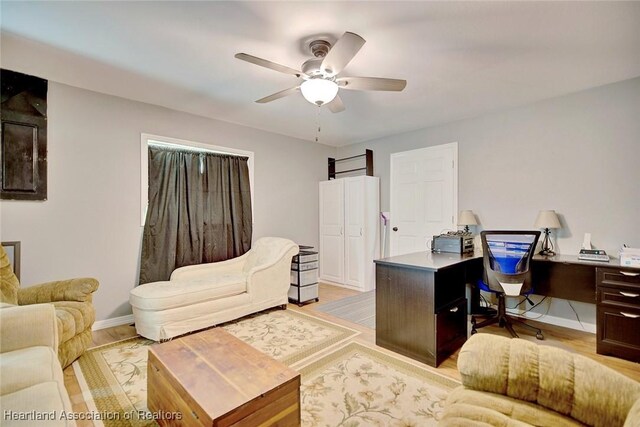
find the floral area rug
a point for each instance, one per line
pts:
(360, 386)
(353, 385)
(288, 336)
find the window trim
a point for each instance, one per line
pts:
(146, 138)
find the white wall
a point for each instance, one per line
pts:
(578, 154)
(90, 224)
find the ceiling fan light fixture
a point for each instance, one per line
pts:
(320, 75)
(319, 91)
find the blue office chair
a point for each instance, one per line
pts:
(506, 259)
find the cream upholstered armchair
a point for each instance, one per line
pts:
(513, 382)
(72, 301)
(204, 295)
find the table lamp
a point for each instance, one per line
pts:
(547, 220)
(467, 218)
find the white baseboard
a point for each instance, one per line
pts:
(115, 321)
(558, 321)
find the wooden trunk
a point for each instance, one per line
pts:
(214, 379)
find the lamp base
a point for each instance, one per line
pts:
(547, 245)
(546, 252)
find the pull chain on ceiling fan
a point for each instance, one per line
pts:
(321, 84)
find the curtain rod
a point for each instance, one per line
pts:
(190, 148)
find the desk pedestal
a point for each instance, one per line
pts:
(419, 313)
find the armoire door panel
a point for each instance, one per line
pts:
(354, 203)
(354, 266)
(332, 231)
(332, 258)
(354, 241)
(332, 204)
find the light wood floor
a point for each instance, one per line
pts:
(576, 341)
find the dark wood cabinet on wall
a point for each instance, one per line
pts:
(23, 115)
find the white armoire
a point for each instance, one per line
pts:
(349, 231)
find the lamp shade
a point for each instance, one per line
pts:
(319, 91)
(547, 219)
(467, 218)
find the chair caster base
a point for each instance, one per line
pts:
(474, 331)
(539, 336)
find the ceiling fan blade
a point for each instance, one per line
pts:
(268, 64)
(279, 95)
(336, 106)
(371, 83)
(342, 53)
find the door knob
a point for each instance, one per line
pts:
(395, 228)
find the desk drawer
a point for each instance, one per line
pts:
(618, 332)
(623, 296)
(451, 328)
(618, 276)
(449, 287)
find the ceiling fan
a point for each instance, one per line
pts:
(321, 83)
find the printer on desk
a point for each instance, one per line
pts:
(454, 242)
(630, 257)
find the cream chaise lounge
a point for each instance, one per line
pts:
(204, 295)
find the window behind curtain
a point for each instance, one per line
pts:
(199, 210)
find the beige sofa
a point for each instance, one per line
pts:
(512, 382)
(204, 295)
(31, 378)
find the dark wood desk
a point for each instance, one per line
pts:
(420, 299)
(421, 309)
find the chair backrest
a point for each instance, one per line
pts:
(506, 258)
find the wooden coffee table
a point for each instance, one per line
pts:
(214, 379)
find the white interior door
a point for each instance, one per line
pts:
(354, 192)
(423, 196)
(332, 230)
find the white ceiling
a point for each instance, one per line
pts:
(461, 59)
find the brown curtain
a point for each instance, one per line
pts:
(199, 210)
